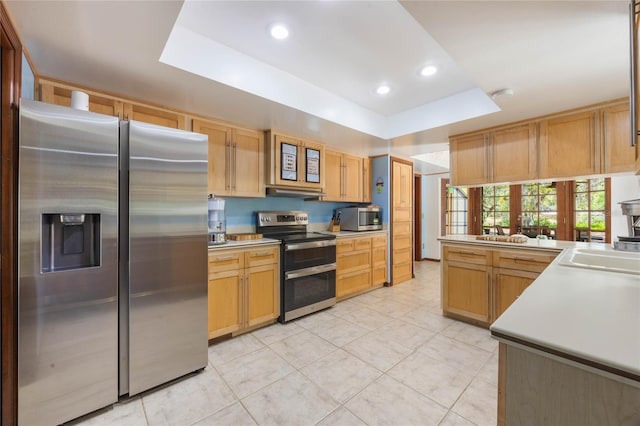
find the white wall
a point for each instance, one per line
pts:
(430, 216)
(623, 188)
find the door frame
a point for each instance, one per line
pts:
(417, 217)
(9, 104)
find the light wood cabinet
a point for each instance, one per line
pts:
(378, 260)
(244, 289)
(469, 160)
(617, 153)
(568, 146)
(361, 264)
(367, 181)
(294, 162)
(343, 180)
(236, 159)
(60, 94)
(513, 153)
(401, 221)
(479, 283)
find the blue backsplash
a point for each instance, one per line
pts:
(241, 211)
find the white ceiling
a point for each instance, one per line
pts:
(555, 55)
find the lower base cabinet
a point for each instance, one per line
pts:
(244, 289)
(361, 264)
(479, 284)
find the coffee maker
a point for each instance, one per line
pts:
(217, 223)
(631, 209)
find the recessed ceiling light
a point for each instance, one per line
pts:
(383, 89)
(428, 70)
(279, 31)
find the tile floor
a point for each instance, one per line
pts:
(387, 357)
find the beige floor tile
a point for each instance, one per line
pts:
(489, 372)
(431, 377)
(367, 318)
(129, 413)
(248, 373)
(276, 332)
(472, 335)
(293, 400)
(303, 348)
(406, 334)
(338, 331)
(341, 374)
(425, 318)
(479, 403)
(346, 306)
(457, 354)
(233, 415)
(341, 417)
(189, 400)
(377, 351)
(225, 351)
(312, 319)
(453, 419)
(392, 307)
(389, 402)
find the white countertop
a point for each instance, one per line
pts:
(343, 234)
(532, 243)
(240, 244)
(589, 314)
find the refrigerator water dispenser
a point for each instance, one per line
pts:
(70, 241)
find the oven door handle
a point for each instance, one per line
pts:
(310, 244)
(310, 271)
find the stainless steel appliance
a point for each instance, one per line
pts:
(94, 323)
(631, 209)
(360, 218)
(308, 263)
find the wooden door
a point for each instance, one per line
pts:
(226, 298)
(469, 160)
(509, 285)
(352, 177)
(617, 153)
(219, 155)
(513, 154)
(262, 294)
(401, 221)
(247, 164)
(466, 289)
(568, 146)
(367, 181)
(150, 115)
(333, 179)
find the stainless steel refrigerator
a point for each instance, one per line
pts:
(112, 287)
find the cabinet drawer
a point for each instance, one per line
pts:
(261, 256)
(402, 272)
(348, 262)
(467, 254)
(225, 261)
(354, 282)
(379, 241)
(344, 246)
(401, 228)
(401, 242)
(362, 244)
(379, 255)
(523, 260)
(402, 255)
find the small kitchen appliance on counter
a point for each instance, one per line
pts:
(217, 223)
(307, 263)
(360, 218)
(631, 209)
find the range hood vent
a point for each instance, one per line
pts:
(307, 194)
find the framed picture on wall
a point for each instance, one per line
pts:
(289, 164)
(313, 165)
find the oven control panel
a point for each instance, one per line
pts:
(281, 218)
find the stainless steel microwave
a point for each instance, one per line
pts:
(360, 219)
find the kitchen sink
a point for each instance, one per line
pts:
(604, 260)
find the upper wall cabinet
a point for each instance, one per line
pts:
(60, 94)
(568, 146)
(469, 160)
(294, 162)
(343, 181)
(367, 182)
(617, 153)
(236, 159)
(513, 153)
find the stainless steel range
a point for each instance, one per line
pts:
(308, 263)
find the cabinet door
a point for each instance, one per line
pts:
(333, 179)
(367, 181)
(354, 282)
(247, 176)
(469, 160)
(59, 95)
(466, 290)
(150, 115)
(225, 295)
(352, 178)
(312, 167)
(378, 260)
(509, 285)
(513, 154)
(263, 294)
(618, 154)
(568, 146)
(219, 155)
(286, 159)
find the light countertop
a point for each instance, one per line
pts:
(351, 234)
(243, 244)
(532, 243)
(592, 316)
